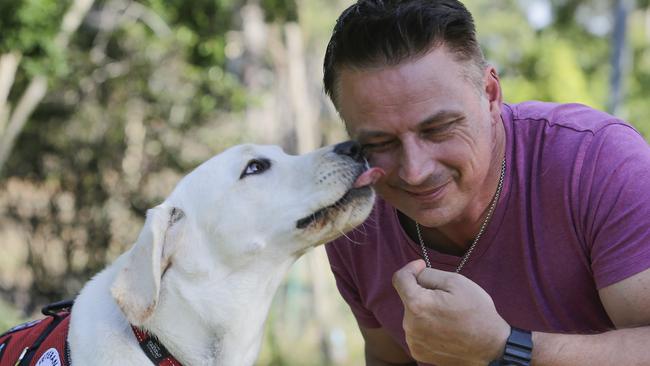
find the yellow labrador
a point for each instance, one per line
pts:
(202, 274)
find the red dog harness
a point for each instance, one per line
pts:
(40, 342)
(43, 342)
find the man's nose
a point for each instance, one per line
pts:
(416, 164)
(351, 149)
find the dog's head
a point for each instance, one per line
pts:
(246, 204)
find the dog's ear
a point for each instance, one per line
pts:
(136, 287)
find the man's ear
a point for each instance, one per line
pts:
(493, 91)
(136, 287)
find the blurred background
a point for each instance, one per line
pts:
(105, 104)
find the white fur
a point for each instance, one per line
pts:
(203, 271)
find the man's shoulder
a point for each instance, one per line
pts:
(570, 117)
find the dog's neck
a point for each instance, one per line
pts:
(224, 322)
(217, 320)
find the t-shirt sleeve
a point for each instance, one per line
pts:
(615, 203)
(347, 287)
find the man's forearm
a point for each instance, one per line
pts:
(628, 347)
(373, 361)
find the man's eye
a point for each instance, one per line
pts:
(376, 146)
(255, 166)
(440, 128)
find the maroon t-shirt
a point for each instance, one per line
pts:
(573, 217)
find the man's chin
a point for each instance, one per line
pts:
(426, 216)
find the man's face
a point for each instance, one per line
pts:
(431, 129)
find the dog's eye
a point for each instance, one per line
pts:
(255, 166)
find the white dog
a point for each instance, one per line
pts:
(202, 274)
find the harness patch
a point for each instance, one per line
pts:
(49, 358)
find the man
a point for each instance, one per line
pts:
(541, 208)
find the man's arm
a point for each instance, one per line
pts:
(382, 350)
(628, 305)
(450, 319)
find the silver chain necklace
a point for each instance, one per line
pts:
(493, 204)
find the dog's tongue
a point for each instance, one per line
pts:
(370, 176)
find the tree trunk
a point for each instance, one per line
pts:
(8, 66)
(17, 120)
(619, 54)
(35, 92)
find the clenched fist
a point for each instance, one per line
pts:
(448, 319)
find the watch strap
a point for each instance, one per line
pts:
(518, 350)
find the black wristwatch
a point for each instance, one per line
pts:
(518, 351)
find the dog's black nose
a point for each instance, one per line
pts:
(351, 149)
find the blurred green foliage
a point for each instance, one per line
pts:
(569, 58)
(30, 26)
(9, 317)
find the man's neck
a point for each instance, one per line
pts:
(433, 238)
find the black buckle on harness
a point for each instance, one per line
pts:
(55, 308)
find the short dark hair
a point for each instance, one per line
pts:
(387, 32)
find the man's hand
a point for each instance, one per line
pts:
(448, 319)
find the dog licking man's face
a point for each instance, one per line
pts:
(211, 256)
(267, 201)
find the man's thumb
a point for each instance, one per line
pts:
(435, 279)
(405, 279)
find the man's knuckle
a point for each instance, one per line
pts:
(453, 281)
(395, 279)
(410, 307)
(423, 306)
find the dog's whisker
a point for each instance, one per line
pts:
(362, 233)
(371, 222)
(362, 229)
(349, 238)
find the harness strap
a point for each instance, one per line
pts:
(20, 345)
(154, 350)
(59, 311)
(66, 356)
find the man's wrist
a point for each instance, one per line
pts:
(518, 350)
